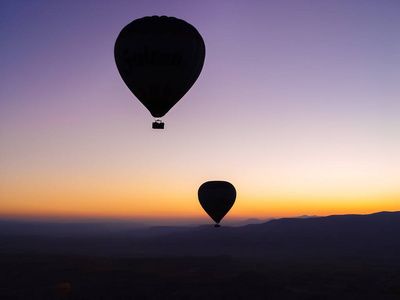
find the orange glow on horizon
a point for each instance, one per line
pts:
(180, 208)
(130, 197)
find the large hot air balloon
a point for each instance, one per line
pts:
(159, 59)
(217, 198)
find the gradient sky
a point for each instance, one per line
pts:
(298, 106)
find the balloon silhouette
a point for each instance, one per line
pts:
(217, 198)
(159, 59)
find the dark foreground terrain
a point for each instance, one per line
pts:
(337, 257)
(30, 276)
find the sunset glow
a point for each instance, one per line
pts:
(297, 106)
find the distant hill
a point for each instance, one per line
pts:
(375, 235)
(38, 228)
(307, 216)
(245, 222)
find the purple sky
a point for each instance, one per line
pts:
(298, 105)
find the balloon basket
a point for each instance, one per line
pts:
(217, 225)
(158, 124)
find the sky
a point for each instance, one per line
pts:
(297, 105)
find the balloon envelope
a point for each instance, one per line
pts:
(217, 198)
(159, 59)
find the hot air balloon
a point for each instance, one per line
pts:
(159, 59)
(217, 198)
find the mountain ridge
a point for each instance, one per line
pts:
(369, 235)
(374, 235)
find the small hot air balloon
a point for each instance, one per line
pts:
(159, 59)
(217, 198)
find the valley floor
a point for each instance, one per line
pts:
(30, 276)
